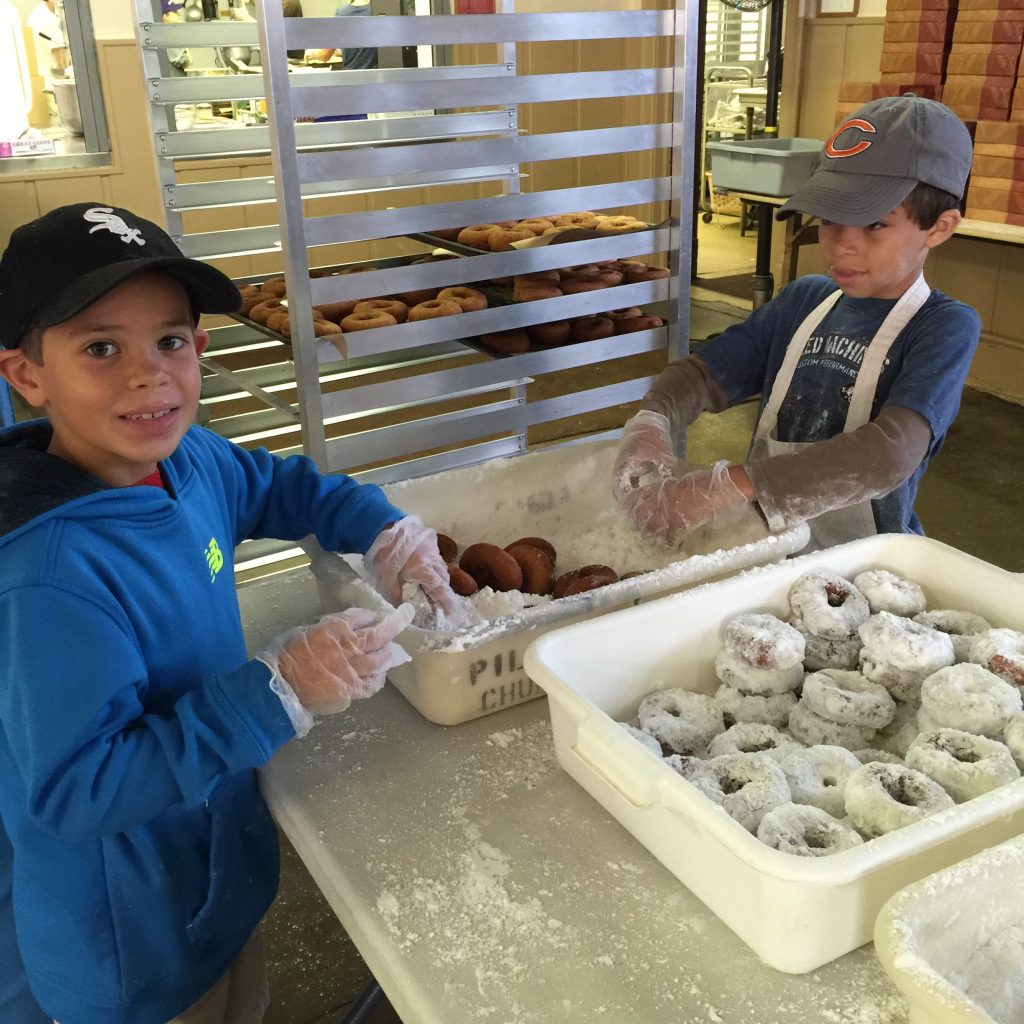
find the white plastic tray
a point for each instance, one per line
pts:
(795, 913)
(564, 495)
(931, 937)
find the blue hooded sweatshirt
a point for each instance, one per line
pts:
(134, 843)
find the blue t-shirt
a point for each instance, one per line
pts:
(924, 371)
(359, 58)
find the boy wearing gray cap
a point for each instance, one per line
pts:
(136, 853)
(859, 372)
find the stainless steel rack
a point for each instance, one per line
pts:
(439, 146)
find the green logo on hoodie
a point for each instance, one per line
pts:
(214, 558)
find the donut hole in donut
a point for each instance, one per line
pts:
(897, 788)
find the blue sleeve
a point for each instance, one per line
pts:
(288, 498)
(746, 356)
(936, 358)
(92, 760)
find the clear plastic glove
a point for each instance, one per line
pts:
(341, 658)
(670, 509)
(406, 552)
(646, 447)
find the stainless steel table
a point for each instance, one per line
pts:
(480, 883)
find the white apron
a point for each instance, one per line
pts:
(855, 521)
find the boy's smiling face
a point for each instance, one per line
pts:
(120, 381)
(882, 260)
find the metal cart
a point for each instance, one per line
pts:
(720, 82)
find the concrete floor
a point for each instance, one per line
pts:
(968, 499)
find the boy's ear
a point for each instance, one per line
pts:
(202, 340)
(943, 228)
(20, 372)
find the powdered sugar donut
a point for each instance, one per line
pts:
(883, 797)
(897, 736)
(645, 739)
(805, 831)
(735, 670)
(813, 730)
(848, 697)
(1001, 651)
(962, 627)
(869, 754)
(817, 775)
(698, 774)
(969, 697)
(681, 720)
(764, 641)
(738, 706)
(752, 783)
(887, 592)
(752, 738)
(1013, 737)
(963, 764)
(828, 605)
(903, 684)
(820, 652)
(895, 640)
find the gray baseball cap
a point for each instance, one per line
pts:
(873, 160)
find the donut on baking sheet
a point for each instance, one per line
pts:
(476, 235)
(805, 831)
(527, 288)
(887, 592)
(963, 764)
(645, 272)
(848, 698)
(623, 313)
(550, 335)
(881, 798)
(590, 328)
(619, 223)
(753, 785)
(537, 568)
(538, 225)
(632, 324)
(434, 308)
(469, 300)
(491, 566)
(337, 311)
(414, 298)
(367, 320)
(276, 285)
(828, 605)
(261, 312)
(970, 697)
(682, 721)
(895, 640)
(500, 239)
(254, 299)
(575, 285)
(764, 641)
(393, 307)
(582, 219)
(512, 342)
(1001, 651)
(817, 775)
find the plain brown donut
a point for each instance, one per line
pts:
(583, 219)
(549, 335)
(538, 225)
(538, 570)
(367, 320)
(591, 328)
(280, 321)
(581, 270)
(433, 308)
(469, 300)
(461, 582)
(506, 343)
(276, 285)
(621, 223)
(611, 277)
(525, 290)
(476, 235)
(323, 328)
(629, 324)
(249, 301)
(587, 578)
(447, 547)
(448, 234)
(491, 567)
(262, 311)
(636, 274)
(399, 310)
(536, 542)
(500, 239)
(575, 285)
(415, 298)
(625, 311)
(245, 290)
(337, 311)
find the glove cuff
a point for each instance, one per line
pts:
(301, 719)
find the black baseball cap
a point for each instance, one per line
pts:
(57, 265)
(878, 154)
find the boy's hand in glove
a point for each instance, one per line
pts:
(670, 509)
(406, 552)
(645, 447)
(343, 657)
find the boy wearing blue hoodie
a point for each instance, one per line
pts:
(136, 854)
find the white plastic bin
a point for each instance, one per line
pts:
(795, 913)
(564, 495)
(768, 167)
(933, 936)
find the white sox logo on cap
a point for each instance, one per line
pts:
(832, 150)
(106, 220)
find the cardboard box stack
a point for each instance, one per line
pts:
(996, 190)
(983, 59)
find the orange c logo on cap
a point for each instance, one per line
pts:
(858, 147)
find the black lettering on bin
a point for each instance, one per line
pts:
(476, 669)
